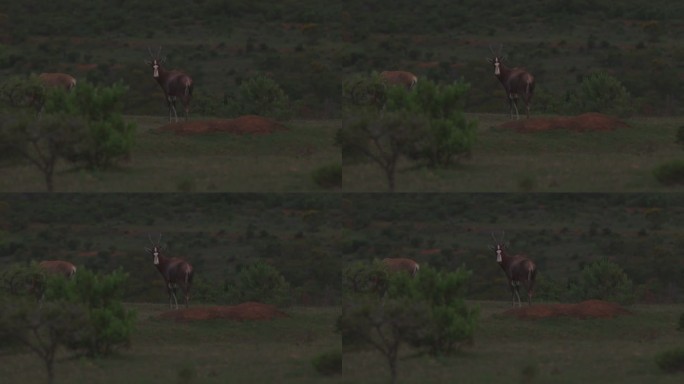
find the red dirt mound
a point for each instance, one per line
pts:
(241, 312)
(585, 310)
(581, 123)
(249, 124)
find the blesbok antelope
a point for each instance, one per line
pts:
(401, 265)
(519, 269)
(174, 83)
(175, 271)
(58, 267)
(58, 80)
(516, 82)
(406, 79)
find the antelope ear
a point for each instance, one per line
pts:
(502, 58)
(491, 61)
(148, 250)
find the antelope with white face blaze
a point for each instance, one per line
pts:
(516, 82)
(58, 267)
(403, 78)
(175, 271)
(175, 84)
(519, 269)
(402, 265)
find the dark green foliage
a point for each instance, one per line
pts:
(43, 328)
(447, 134)
(671, 173)
(261, 95)
(603, 280)
(260, 282)
(600, 92)
(22, 92)
(328, 363)
(680, 136)
(107, 137)
(110, 325)
(680, 326)
(671, 361)
(328, 176)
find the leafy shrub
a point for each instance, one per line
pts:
(671, 173)
(671, 360)
(328, 363)
(260, 282)
(600, 92)
(261, 95)
(328, 176)
(107, 136)
(603, 280)
(109, 325)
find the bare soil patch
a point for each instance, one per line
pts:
(590, 309)
(248, 311)
(581, 123)
(248, 124)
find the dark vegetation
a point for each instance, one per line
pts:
(219, 43)
(621, 247)
(278, 248)
(634, 42)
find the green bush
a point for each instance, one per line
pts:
(110, 326)
(600, 92)
(328, 363)
(671, 360)
(328, 176)
(671, 173)
(260, 282)
(261, 95)
(107, 136)
(603, 280)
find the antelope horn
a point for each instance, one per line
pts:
(150, 51)
(150, 237)
(491, 50)
(500, 48)
(159, 238)
(159, 52)
(494, 237)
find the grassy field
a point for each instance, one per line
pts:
(552, 161)
(553, 350)
(166, 162)
(217, 351)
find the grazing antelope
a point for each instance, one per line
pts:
(175, 271)
(58, 267)
(519, 269)
(407, 79)
(58, 80)
(516, 82)
(401, 265)
(175, 84)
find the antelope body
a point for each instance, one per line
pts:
(402, 265)
(516, 81)
(519, 270)
(58, 267)
(58, 80)
(403, 78)
(175, 84)
(175, 271)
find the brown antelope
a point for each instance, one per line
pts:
(401, 265)
(406, 79)
(175, 271)
(58, 267)
(175, 84)
(58, 80)
(516, 82)
(519, 269)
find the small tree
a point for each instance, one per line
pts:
(106, 137)
(110, 325)
(41, 141)
(42, 328)
(391, 310)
